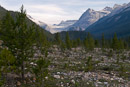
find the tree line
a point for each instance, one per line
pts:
(89, 43)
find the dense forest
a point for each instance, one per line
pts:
(28, 55)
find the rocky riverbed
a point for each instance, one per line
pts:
(108, 68)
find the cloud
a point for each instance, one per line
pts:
(51, 16)
(87, 2)
(47, 13)
(50, 8)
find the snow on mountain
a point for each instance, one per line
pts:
(108, 9)
(66, 23)
(119, 23)
(62, 25)
(118, 8)
(41, 24)
(88, 18)
(53, 28)
(36, 21)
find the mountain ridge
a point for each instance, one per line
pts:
(89, 17)
(3, 12)
(118, 23)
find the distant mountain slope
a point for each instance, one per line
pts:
(13, 14)
(62, 26)
(66, 23)
(55, 27)
(118, 8)
(41, 24)
(91, 16)
(118, 23)
(88, 18)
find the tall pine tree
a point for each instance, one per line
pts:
(89, 42)
(115, 42)
(68, 41)
(18, 37)
(103, 41)
(58, 39)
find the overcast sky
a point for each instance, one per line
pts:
(54, 11)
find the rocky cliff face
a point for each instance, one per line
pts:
(88, 18)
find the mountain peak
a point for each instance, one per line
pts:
(116, 6)
(89, 10)
(108, 9)
(89, 17)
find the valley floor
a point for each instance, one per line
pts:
(98, 68)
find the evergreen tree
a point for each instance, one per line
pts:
(41, 41)
(41, 72)
(63, 46)
(107, 43)
(58, 39)
(86, 43)
(78, 42)
(125, 45)
(74, 43)
(118, 59)
(89, 42)
(89, 64)
(115, 42)
(122, 70)
(19, 39)
(103, 41)
(68, 41)
(121, 44)
(7, 65)
(96, 43)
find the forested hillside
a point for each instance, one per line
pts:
(29, 22)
